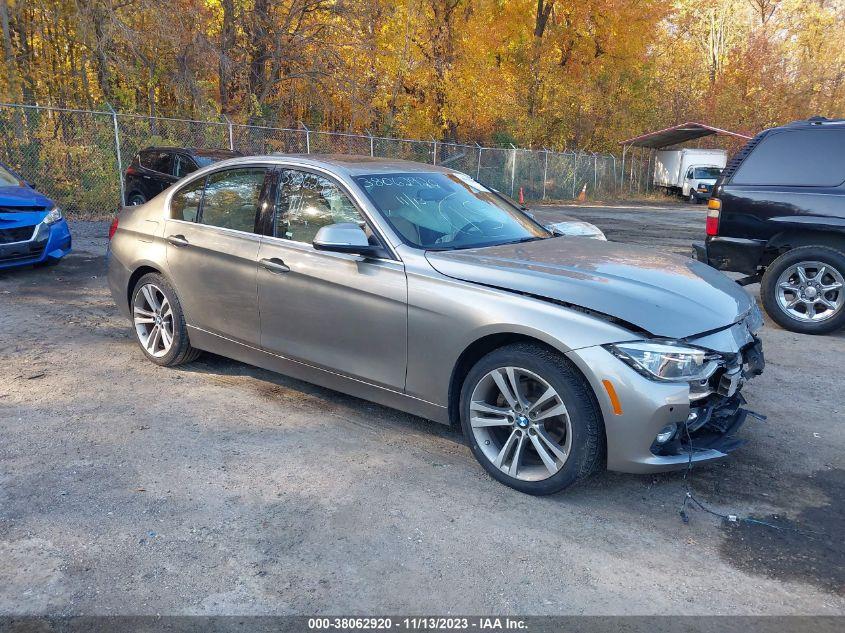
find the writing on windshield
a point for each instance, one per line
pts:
(446, 210)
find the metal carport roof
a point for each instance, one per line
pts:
(677, 134)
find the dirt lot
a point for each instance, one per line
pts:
(217, 488)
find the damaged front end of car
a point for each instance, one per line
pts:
(675, 401)
(716, 408)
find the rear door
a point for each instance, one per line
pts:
(212, 251)
(337, 311)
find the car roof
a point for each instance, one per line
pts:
(351, 165)
(812, 122)
(194, 151)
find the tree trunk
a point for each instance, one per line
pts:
(227, 43)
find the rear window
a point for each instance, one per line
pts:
(158, 161)
(808, 158)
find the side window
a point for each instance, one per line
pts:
(161, 162)
(231, 198)
(185, 203)
(689, 173)
(306, 201)
(809, 158)
(184, 166)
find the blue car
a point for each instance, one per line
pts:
(32, 229)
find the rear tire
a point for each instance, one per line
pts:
(802, 304)
(156, 305)
(541, 446)
(135, 198)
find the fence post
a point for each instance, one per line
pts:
(478, 167)
(545, 170)
(372, 144)
(595, 173)
(613, 158)
(231, 138)
(117, 154)
(513, 168)
(434, 152)
(622, 173)
(307, 137)
(574, 172)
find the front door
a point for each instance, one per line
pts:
(687, 187)
(340, 312)
(212, 251)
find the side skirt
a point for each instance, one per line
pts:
(201, 339)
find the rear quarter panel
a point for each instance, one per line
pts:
(763, 212)
(138, 242)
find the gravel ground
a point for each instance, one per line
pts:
(218, 488)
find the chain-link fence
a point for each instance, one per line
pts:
(77, 157)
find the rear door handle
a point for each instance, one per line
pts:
(178, 240)
(274, 265)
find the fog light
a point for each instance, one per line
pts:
(666, 433)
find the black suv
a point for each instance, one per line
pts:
(777, 214)
(154, 169)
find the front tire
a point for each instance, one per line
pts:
(531, 419)
(803, 290)
(159, 322)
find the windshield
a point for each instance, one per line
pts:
(8, 179)
(707, 172)
(440, 211)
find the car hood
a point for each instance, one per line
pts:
(665, 295)
(20, 197)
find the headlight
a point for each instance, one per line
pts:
(54, 216)
(577, 228)
(666, 361)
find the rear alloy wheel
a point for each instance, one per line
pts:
(803, 290)
(153, 318)
(159, 323)
(135, 199)
(531, 419)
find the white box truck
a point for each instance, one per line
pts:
(690, 173)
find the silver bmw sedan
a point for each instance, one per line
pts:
(418, 288)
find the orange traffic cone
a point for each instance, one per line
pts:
(583, 195)
(521, 196)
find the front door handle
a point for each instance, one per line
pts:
(274, 265)
(178, 240)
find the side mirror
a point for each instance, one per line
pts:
(345, 237)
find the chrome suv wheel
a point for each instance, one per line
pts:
(159, 323)
(531, 419)
(804, 290)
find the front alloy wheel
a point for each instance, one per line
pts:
(531, 419)
(520, 423)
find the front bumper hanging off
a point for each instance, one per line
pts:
(705, 429)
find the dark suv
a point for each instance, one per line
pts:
(154, 169)
(777, 214)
